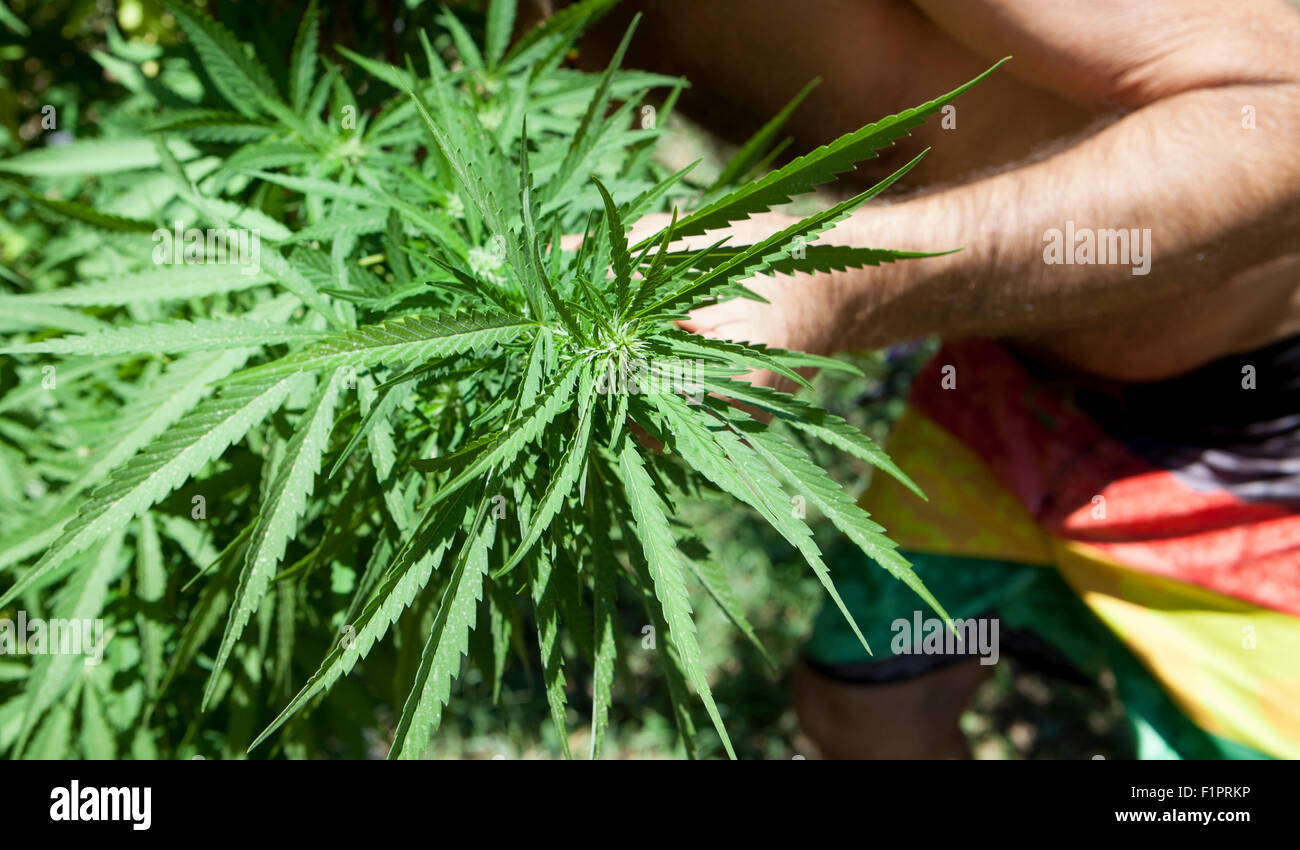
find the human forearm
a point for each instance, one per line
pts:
(1161, 168)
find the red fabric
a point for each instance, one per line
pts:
(1055, 460)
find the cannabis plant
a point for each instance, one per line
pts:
(407, 405)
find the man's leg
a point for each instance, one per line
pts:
(905, 699)
(912, 718)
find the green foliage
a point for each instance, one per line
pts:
(408, 419)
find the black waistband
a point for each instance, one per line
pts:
(1232, 424)
(1253, 392)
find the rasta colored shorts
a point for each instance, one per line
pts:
(1152, 529)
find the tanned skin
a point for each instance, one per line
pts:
(1112, 113)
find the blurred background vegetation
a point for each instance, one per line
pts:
(87, 59)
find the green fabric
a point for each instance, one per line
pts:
(1025, 598)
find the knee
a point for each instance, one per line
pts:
(912, 719)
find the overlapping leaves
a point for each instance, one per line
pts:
(422, 401)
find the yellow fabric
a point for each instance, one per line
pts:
(969, 513)
(1196, 643)
(1232, 667)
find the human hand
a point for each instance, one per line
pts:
(799, 314)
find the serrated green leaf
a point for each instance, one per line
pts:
(151, 584)
(406, 339)
(665, 571)
(825, 426)
(808, 478)
(79, 213)
(408, 575)
(733, 466)
(96, 738)
(277, 521)
(82, 601)
(560, 27)
(605, 573)
(171, 459)
(500, 26)
(752, 151)
(448, 641)
(618, 247)
(19, 316)
(240, 78)
(166, 283)
(302, 62)
(817, 167)
(817, 258)
(503, 448)
(718, 585)
(177, 336)
(545, 600)
(562, 482)
(758, 258)
(93, 156)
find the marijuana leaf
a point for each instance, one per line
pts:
(414, 414)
